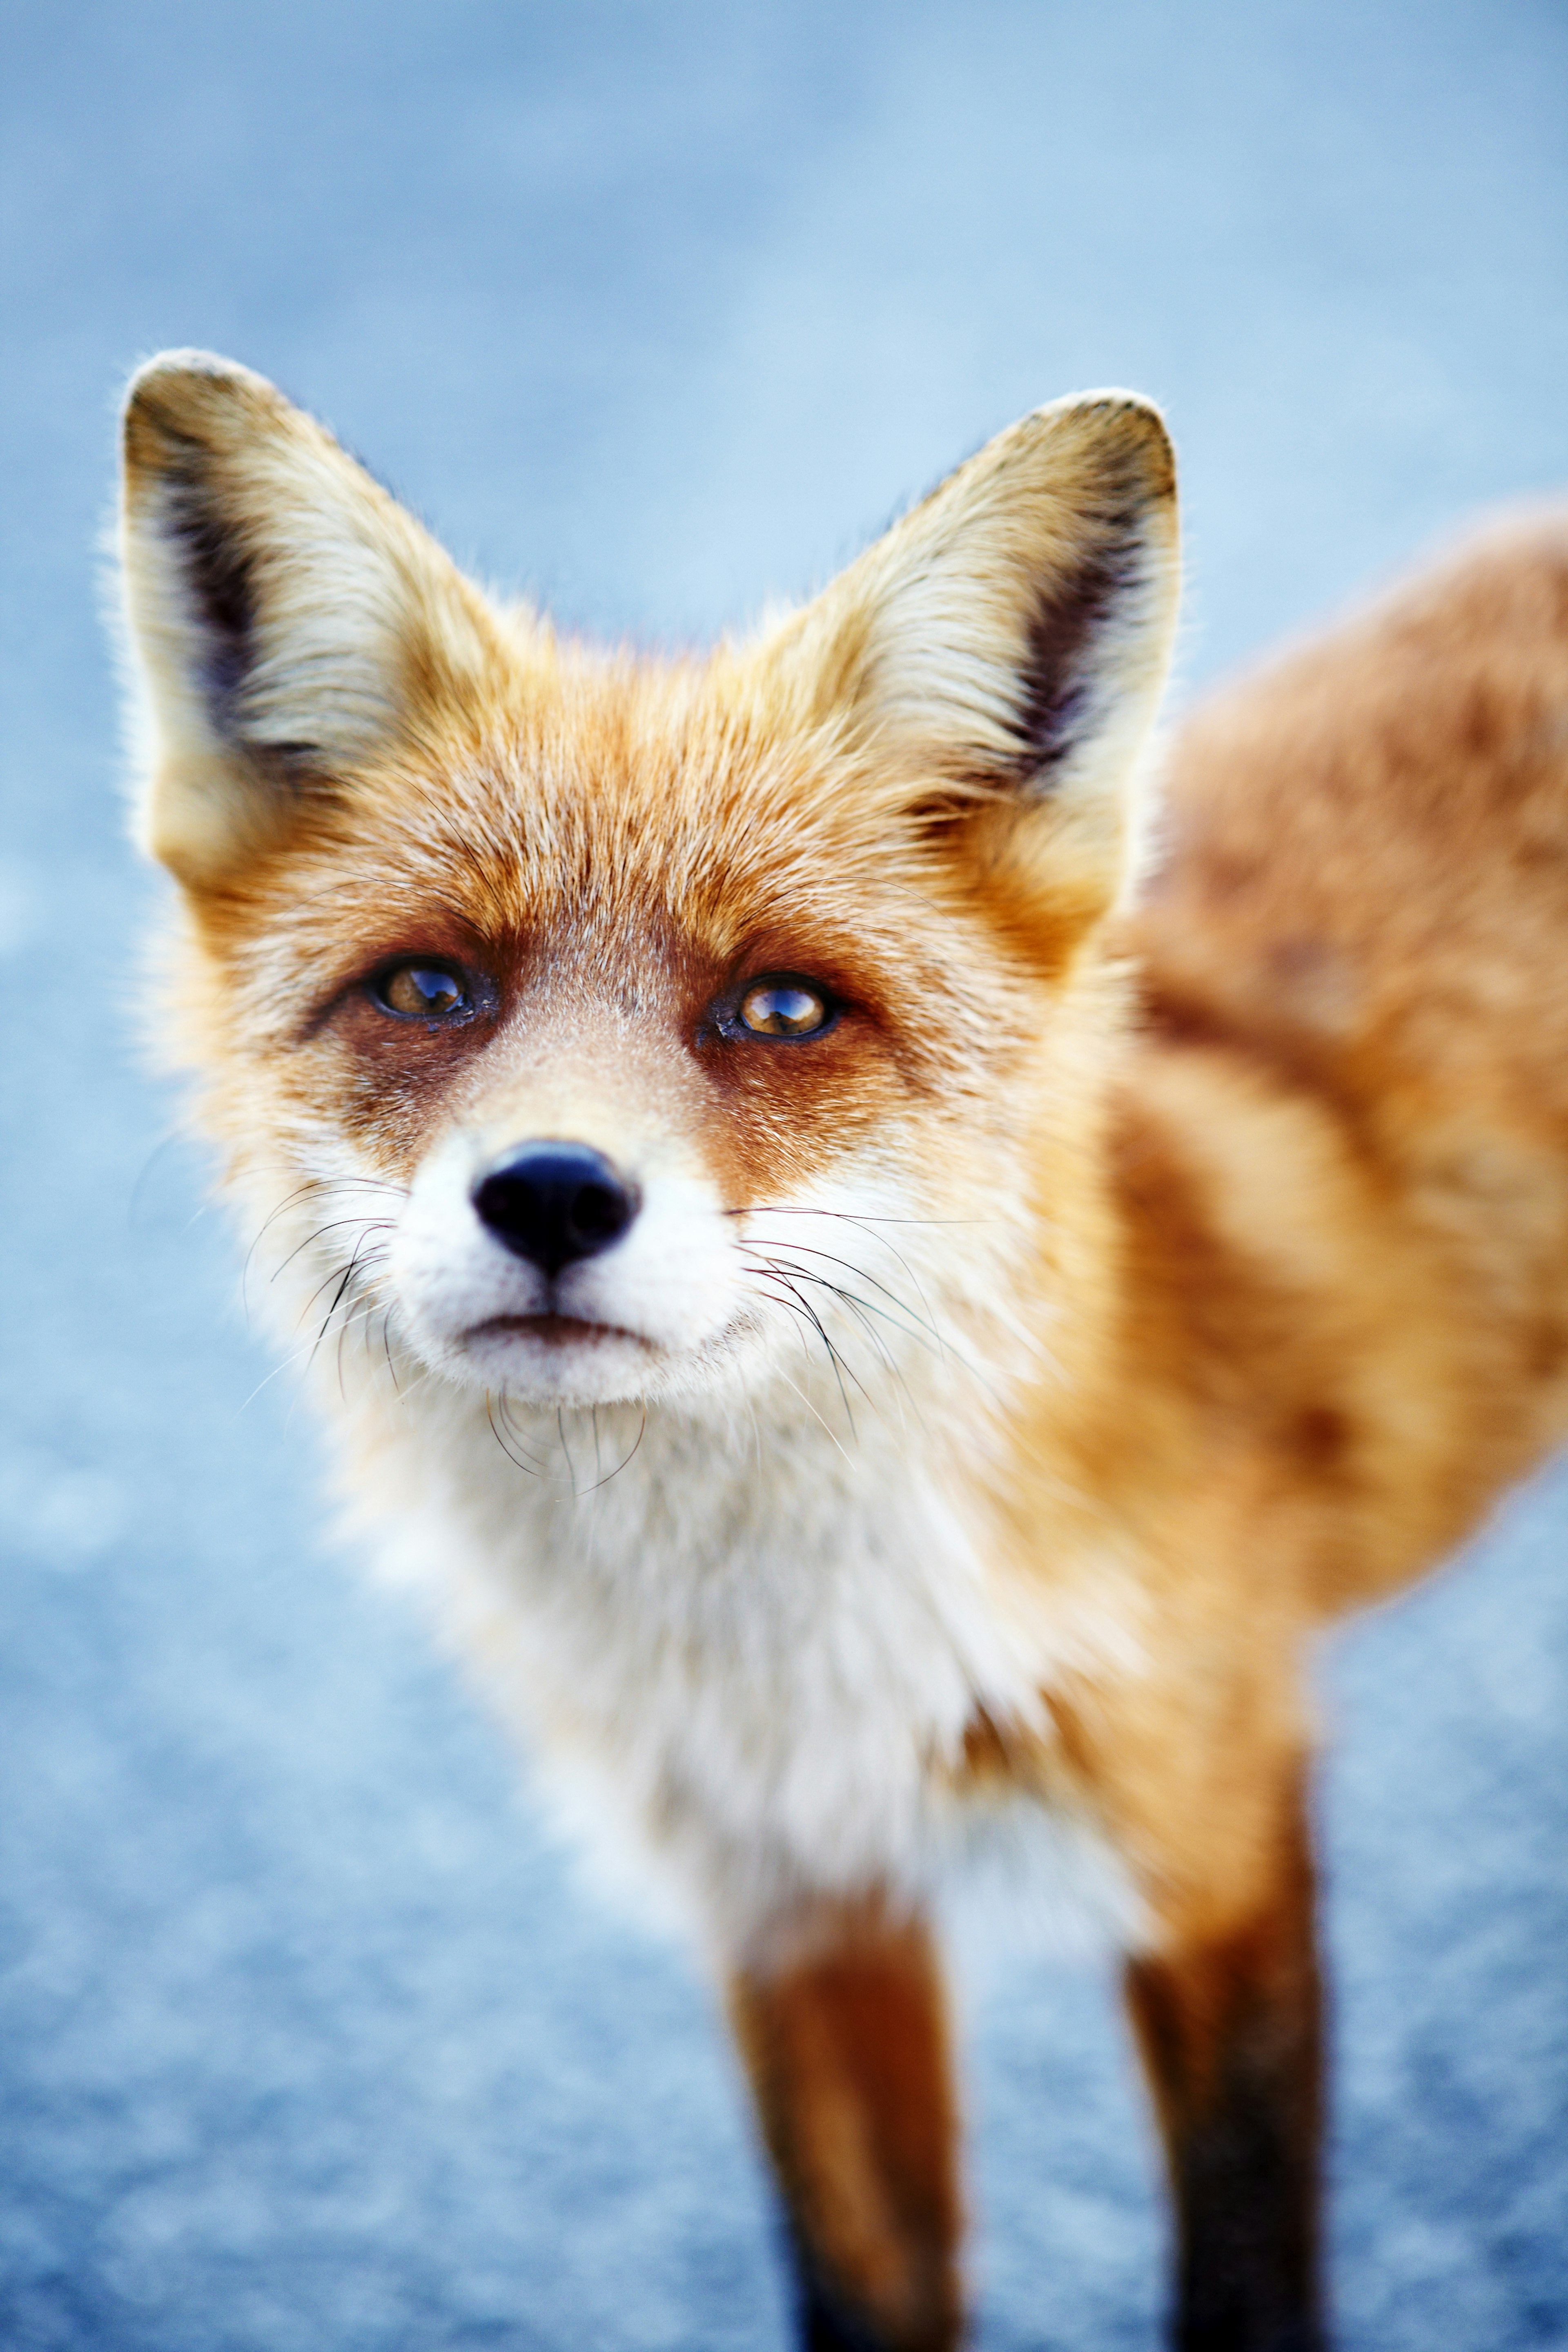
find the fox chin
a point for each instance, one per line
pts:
(884, 1293)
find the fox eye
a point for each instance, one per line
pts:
(780, 1006)
(420, 991)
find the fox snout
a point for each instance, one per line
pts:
(553, 1203)
(561, 1268)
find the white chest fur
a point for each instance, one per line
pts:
(754, 1661)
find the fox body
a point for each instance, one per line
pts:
(884, 1294)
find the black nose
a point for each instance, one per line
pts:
(554, 1202)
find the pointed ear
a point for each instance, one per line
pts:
(287, 620)
(1003, 648)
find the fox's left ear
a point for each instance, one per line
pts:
(1001, 651)
(289, 623)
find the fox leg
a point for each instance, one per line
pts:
(844, 2036)
(1228, 2020)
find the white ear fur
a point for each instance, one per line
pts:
(285, 614)
(1014, 630)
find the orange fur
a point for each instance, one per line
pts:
(1207, 1246)
(847, 2045)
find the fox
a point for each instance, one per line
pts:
(883, 1239)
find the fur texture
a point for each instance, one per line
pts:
(997, 1383)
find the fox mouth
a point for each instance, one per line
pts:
(555, 1330)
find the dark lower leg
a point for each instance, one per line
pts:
(847, 2048)
(1229, 2025)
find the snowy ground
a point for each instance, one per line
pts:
(308, 2042)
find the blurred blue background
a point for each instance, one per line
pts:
(307, 2038)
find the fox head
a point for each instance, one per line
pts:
(598, 1029)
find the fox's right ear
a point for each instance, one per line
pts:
(287, 620)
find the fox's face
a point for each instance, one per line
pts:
(608, 1028)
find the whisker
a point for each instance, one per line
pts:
(636, 1442)
(789, 1277)
(303, 1352)
(860, 1309)
(172, 1135)
(919, 1292)
(517, 1439)
(524, 1460)
(918, 1325)
(864, 1222)
(865, 1306)
(366, 1226)
(342, 1274)
(317, 1184)
(792, 1307)
(833, 1356)
(812, 1410)
(501, 1442)
(808, 1320)
(850, 1216)
(566, 1450)
(805, 1248)
(939, 1343)
(338, 1297)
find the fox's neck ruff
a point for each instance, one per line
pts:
(763, 1625)
(760, 1643)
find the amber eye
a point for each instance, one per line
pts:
(420, 991)
(782, 1006)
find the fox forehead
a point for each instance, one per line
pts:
(614, 848)
(639, 834)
